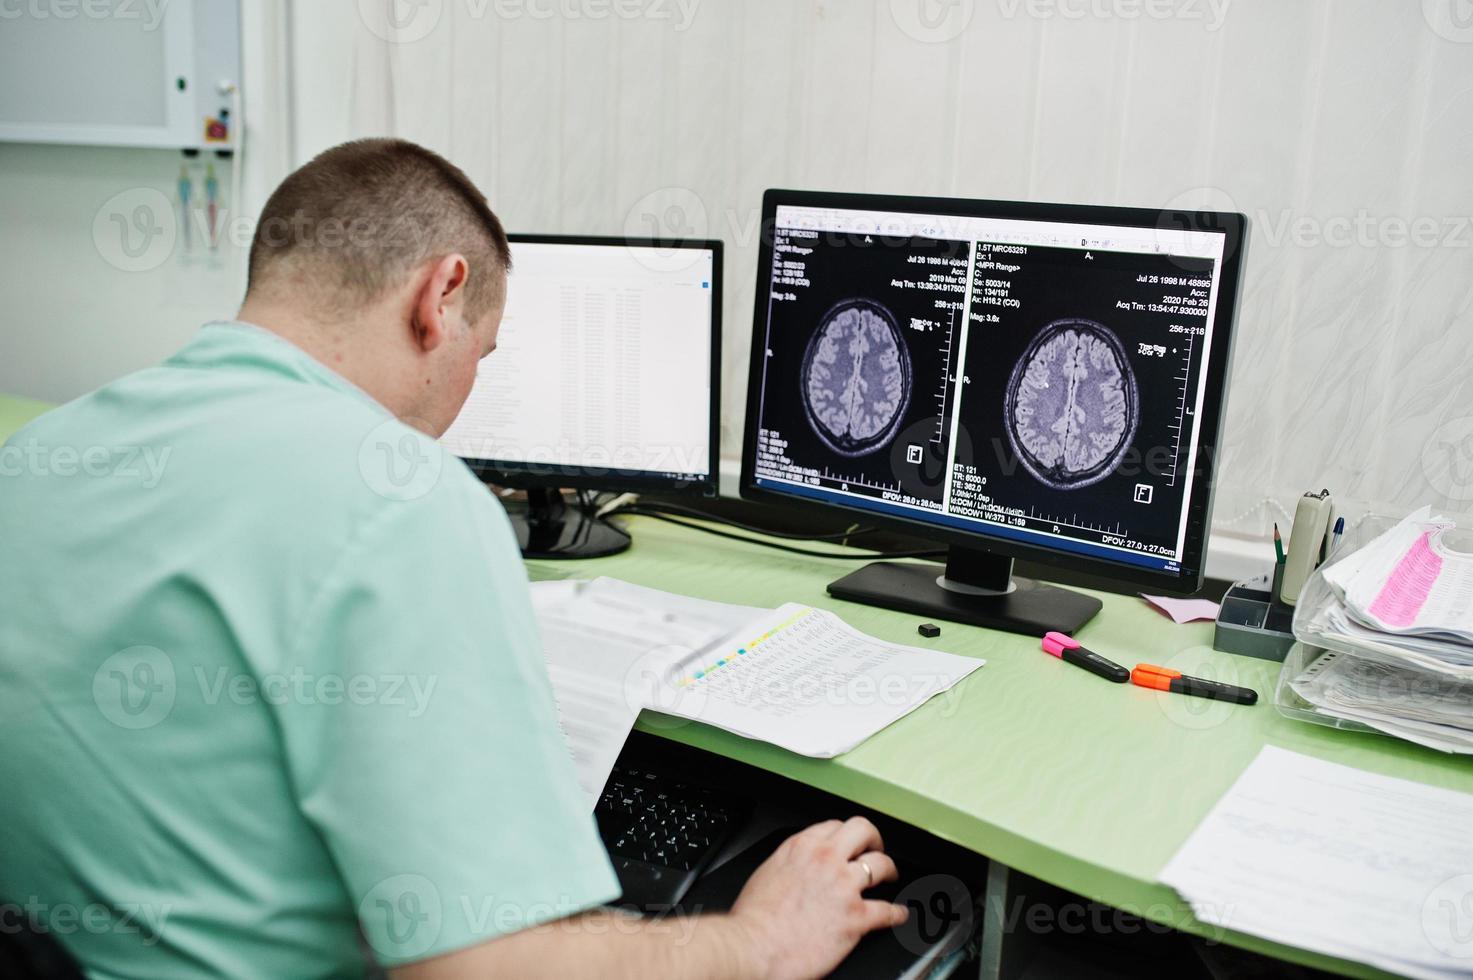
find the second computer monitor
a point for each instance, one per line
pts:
(605, 376)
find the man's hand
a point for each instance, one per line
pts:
(803, 908)
(800, 914)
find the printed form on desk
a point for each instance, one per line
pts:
(797, 677)
(604, 640)
(1337, 860)
(803, 679)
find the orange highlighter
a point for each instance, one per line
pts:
(1166, 679)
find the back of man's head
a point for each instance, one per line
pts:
(355, 221)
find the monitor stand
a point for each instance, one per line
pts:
(978, 588)
(549, 528)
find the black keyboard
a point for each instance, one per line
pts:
(660, 834)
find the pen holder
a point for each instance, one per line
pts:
(1253, 622)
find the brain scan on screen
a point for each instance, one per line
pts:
(856, 377)
(1071, 404)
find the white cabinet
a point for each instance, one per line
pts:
(158, 73)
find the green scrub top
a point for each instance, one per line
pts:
(269, 674)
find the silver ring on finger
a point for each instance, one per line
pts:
(869, 876)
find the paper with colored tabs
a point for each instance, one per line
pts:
(606, 643)
(803, 679)
(796, 676)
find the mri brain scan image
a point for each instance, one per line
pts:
(1072, 404)
(856, 378)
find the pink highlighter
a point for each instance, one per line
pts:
(1067, 649)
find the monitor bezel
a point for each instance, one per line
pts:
(1199, 506)
(527, 476)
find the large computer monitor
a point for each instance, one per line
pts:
(1016, 380)
(606, 376)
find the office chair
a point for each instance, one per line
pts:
(26, 954)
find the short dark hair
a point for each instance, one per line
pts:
(359, 217)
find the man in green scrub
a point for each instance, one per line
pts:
(269, 674)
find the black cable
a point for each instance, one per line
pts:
(864, 555)
(683, 511)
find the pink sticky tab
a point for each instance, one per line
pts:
(1401, 598)
(1183, 610)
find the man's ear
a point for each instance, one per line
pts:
(441, 295)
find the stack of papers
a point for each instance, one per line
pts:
(1339, 861)
(795, 676)
(1399, 613)
(1420, 706)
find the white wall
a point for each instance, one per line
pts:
(77, 310)
(1335, 125)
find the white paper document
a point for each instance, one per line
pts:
(600, 639)
(803, 679)
(1337, 860)
(797, 677)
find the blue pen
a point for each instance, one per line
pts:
(1339, 530)
(184, 191)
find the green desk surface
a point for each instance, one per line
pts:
(1033, 762)
(16, 412)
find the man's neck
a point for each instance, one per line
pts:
(342, 347)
